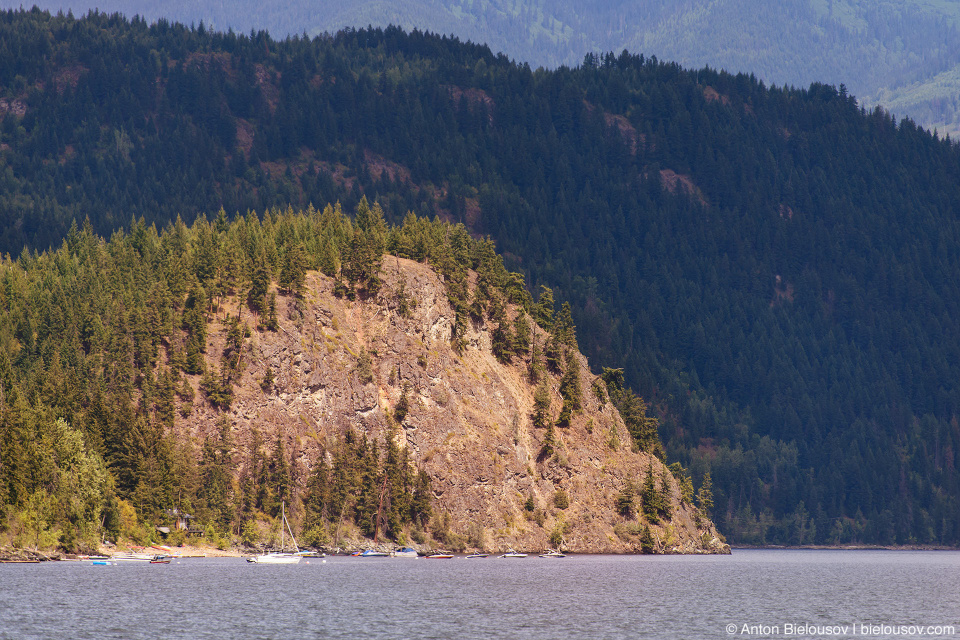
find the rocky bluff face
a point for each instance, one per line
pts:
(343, 364)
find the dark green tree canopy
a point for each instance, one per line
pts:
(770, 266)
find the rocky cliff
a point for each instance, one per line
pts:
(469, 421)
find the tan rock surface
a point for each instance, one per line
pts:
(468, 426)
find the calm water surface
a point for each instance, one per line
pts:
(582, 597)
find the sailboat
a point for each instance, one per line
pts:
(280, 557)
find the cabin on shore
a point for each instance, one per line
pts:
(181, 522)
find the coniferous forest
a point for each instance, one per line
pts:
(99, 338)
(901, 54)
(775, 270)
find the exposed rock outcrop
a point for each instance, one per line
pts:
(469, 421)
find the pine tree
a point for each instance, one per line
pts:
(361, 266)
(541, 405)
(646, 540)
(316, 501)
(231, 358)
(259, 282)
(564, 331)
(664, 506)
(166, 398)
(625, 498)
(398, 497)
(194, 363)
(403, 406)
(686, 485)
(194, 318)
(293, 274)
(554, 354)
(642, 427)
(368, 498)
(536, 371)
(501, 338)
(521, 334)
(271, 323)
(549, 446)
(543, 311)
(705, 496)
(421, 507)
(570, 387)
(650, 497)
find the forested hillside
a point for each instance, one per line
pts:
(901, 54)
(220, 371)
(774, 268)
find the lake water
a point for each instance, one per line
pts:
(755, 594)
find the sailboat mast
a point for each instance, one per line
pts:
(287, 525)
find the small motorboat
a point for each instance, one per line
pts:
(440, 556)
(406, 552)
(160, 558)
(370, 553)
(478, 555)
(513, 554)
(551, 553)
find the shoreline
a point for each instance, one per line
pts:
(843, 547)
(11, 555)
(185, 551)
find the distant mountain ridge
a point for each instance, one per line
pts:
(904, 56)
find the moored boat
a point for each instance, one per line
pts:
(275, 558)
(405, 552)
(280, 557)
(552, 553)
(132, 557)
(440, 556)
(513, 554)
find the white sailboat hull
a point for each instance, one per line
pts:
(275, 558)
